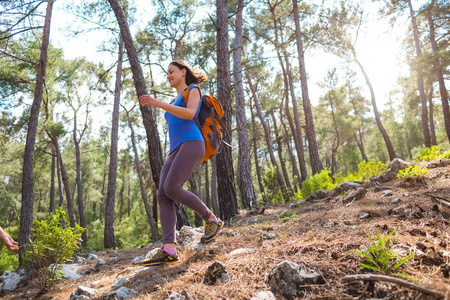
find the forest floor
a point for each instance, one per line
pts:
(317, 235)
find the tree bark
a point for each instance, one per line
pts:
(52, 180)
(215, 202)
(255, 153)
(280, 181)
(207, 192)
(383, 132)
(439, 74)
(279, 140)
(147, 207)
(79, 181)
(60, 185)
(423, 99)
(225, 172)
(244, 173)
(154, 144)
(431, 117)
(26, 213)
(108, 239)
(297, 133)
(316, 165)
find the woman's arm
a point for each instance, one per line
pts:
(8, 241)
(187, 113)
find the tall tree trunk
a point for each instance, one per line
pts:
(147, 207)
(423, 99)
(279, 140)
(287, 140)
(359, 142)
(297, 133)
(316, 165)
(207, 193)
(52, 179)
(108, 239)
(65, 180)
(255, 153)
(194, 188)
(244, 173)
(383, 132)
(79, 181)
(26, 213)
(280, 180)
(225, 172)
(431, 118)
(214, 200)
(60, 185)
(438, 69)
(154, 145)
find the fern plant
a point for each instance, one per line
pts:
(380, 258)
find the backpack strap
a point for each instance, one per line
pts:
(185, 99)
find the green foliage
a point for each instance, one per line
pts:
(51, 246)
(366, 170)
(427, 154)
(446, 154)
(272, 189)
(8, 260)
(285, 216)
(319, 181)
(380, 258)
(412, 171)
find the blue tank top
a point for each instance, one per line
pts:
(182, 130)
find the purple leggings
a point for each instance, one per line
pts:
(177, 169)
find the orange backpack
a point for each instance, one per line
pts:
(208, 121)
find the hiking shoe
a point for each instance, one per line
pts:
(212, 229)
(160, 257)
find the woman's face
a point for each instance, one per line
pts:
(175, 75)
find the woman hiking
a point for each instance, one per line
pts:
(187, 148)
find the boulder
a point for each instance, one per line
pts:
(189, 238)
(70, 271)
(345, 187)
(216, 274)
(83, 293)
(354, 195)
(396, 165)
(319, 194)
(290, 280)
(10, 280)
(119, 294)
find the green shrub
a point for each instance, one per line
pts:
(51, 246)
(412, 171)
(8, 260)
(446, 154)
(427, 154)
(272, 189)
(320, 181)
(380, 258)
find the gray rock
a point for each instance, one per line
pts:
(100, 262)
(346, 186)
(364, 215)
(240, 251)
(290, 280)
(189, 238)
(319, 194)
(269, 236)
(396, 165)
(400, 211)
(138, 259)
(82, 293)
(264, 295)
(120, 294)
(10, 280)
(78, 259)
(396, 201)
(216, 274)
(92, 256)
(231, 233)
(120, 282)
(175, 296)
(354, 195)
(387, 193)
(70, 272)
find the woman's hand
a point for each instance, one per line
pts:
(149, 100)
(8, 241)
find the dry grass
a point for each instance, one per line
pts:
(319, 237)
